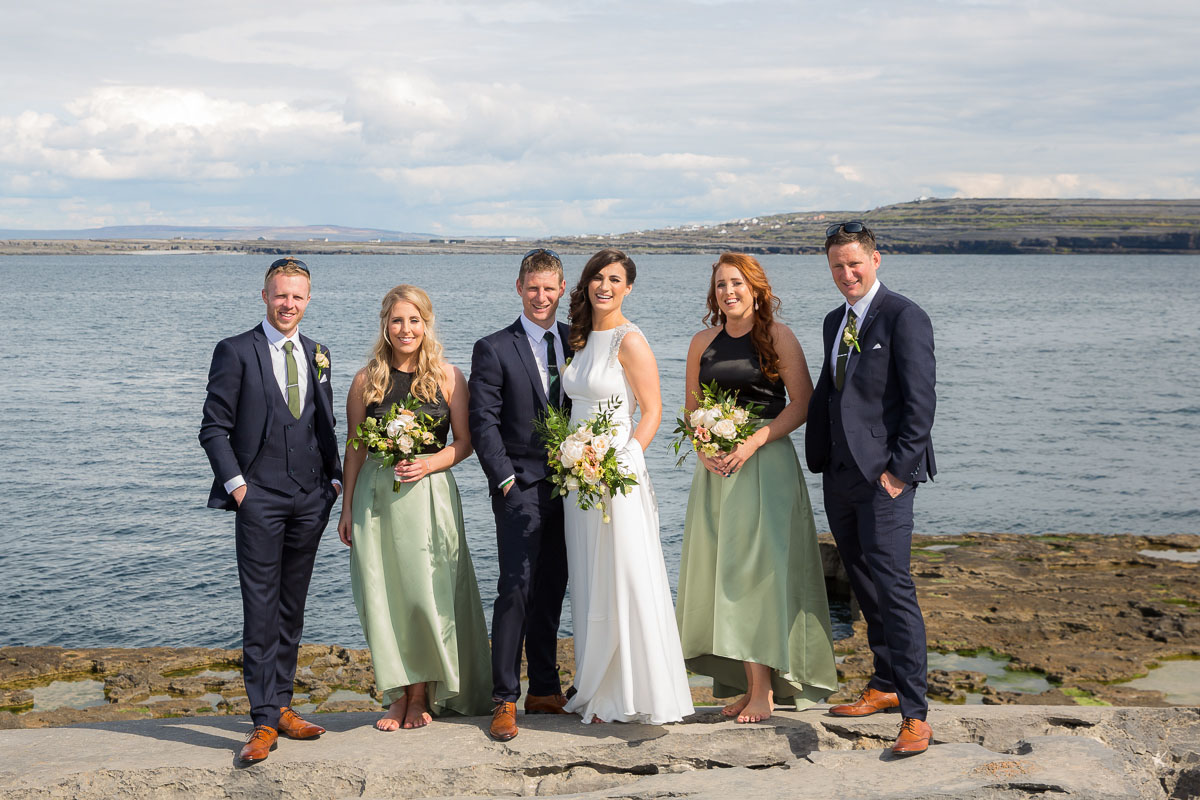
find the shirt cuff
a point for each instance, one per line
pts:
(234, 483)
(506, 482)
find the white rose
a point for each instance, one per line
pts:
(394, 427)
(570, 452)
(582, 434)
(711, 415)
(571, 483)
(725, 429)
(600, 443)
(407, 420)
(739, 415)
(405, 443)
(591, 475)
(696, 420)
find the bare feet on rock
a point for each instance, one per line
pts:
(758, 708)
(394, 717)
(418, 715)
(735, 708)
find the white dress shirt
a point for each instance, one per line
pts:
(860, 313)
(537, 343)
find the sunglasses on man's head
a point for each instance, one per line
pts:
(848, 227)
(290, 261)
(537, 250)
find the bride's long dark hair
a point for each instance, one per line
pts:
(580, 313)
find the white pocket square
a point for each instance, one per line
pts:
(325, 378)
(877, 346)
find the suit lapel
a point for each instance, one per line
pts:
(564, 335)
(263, 350)
(525, 353)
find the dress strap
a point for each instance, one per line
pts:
(614, 347)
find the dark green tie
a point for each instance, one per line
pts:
(293, 380)
(843, 354)
(552, 368)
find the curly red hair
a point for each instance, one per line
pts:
(766, 305)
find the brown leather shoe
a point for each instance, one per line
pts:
(293, 727)
(914, 737)
(504, 721)
(260, 742)
(869, 702)
(545, 704)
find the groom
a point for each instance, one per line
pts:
(268, 430)
(869, 424)
(514, 375)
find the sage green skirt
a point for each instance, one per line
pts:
(751, 585)
(415, 591)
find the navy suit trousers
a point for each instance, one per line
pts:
(873, 532)
(277, 538)
(529, 594)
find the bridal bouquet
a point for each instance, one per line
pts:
(583, 459)
(403, 433)
(718, 425)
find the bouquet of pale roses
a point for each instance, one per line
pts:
(583, 458)
(401, 435)
(718, 425)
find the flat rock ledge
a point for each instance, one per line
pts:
(979, 752)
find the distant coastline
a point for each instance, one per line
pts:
(925, 226)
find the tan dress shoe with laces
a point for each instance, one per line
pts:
(504, 721)
(293, 727)
(914, 738)
(259, 744)
(869, 702)
(545, 704)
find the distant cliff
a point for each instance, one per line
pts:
(1002, 226)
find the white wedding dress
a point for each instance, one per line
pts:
(628, 661)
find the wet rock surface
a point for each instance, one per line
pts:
(978, 752)
(1083, 610)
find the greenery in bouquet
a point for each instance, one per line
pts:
(583, 458)
(717, 425)
(402, 435)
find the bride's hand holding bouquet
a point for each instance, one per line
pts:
(583, 458)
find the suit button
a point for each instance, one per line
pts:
(291, 449)
(311, 448)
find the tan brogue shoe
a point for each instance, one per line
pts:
(504, 721)
(914, 737)
(259, 744)
(545, 704)
(869, 702)
(293, 727)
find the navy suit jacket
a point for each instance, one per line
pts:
(887, 400)
(506, 397)
(238, 410)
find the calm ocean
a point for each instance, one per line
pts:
(1068, 400)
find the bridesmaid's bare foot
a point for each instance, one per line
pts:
(758, 709)
(418, 715)
(394, 716)
(735, 708)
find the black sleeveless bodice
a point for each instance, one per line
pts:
(398, 393)
(733, 364)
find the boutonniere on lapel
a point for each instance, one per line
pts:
(567, 363)
(321, 359)
(850, 337)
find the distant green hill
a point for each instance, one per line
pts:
(946, 226)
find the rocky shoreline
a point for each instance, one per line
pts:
(1086, 611)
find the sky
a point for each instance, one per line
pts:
(532, 117)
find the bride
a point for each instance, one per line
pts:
(628, 661)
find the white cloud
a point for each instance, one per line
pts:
(540, 116)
